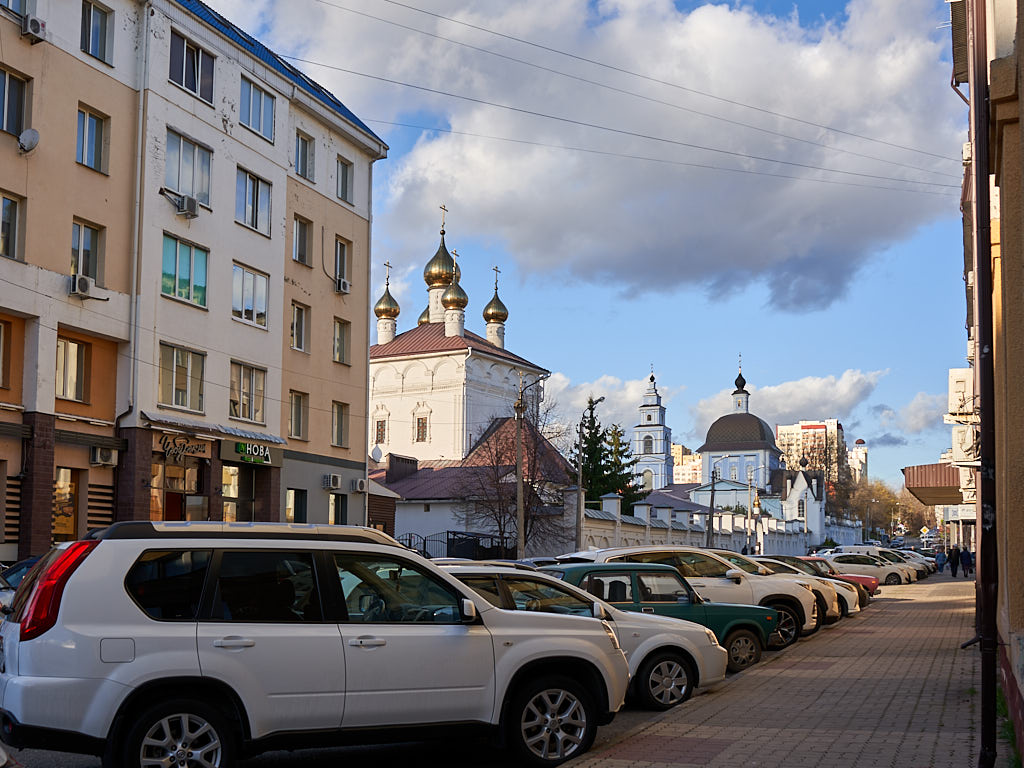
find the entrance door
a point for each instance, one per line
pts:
(174, 506)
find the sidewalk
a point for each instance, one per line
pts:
(887, 687)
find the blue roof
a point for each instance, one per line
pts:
(249, 43)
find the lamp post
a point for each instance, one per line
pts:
(520, 410)
(751, 498)
(580, 496)
(709, 527)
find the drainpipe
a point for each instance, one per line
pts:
(988, 574)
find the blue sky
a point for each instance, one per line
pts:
(843, 295)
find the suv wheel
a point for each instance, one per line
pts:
(789, 625)
(550, 720)
(892, 579)
(744, 649)
(663, 680)
(180, 733)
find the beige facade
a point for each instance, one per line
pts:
(822, 443)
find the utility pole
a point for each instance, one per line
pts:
(709, 527)
(520, 410)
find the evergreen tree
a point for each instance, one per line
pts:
(595, 452)
(621, 473)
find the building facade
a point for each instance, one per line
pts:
(191, 151)
(822, 443)
(857, 460)
(686, 465)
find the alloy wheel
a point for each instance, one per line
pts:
(553, 724)
(667, 682)
(181, 740)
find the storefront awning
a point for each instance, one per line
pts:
(197, 428)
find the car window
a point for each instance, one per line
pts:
(779, 567)
(615, 587)
(664, 558)
(661, 588)
(865, 560)
(485, 586)
(168, 584)
(890, 557)
(535, 595)
(742, 562)
(266, 586)
(381, 589)
(802, 566)
(701, 565)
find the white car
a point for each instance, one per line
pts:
(667, 657)
(849, 600)
(884, 555)
(854, 562)
(192, 644)
(720, 581)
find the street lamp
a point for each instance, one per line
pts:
(709, 527)
(751, 499)
(520, 410)
(580, 497)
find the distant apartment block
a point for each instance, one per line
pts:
(822, 443)
(686, 465)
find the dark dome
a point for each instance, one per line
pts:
(740, 384)
(859, 442)
(738, 431)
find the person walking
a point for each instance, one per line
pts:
(940, 560)
(954, 561)
(966, 562)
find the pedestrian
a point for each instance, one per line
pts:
(954, 561)
(940, 560)
(965, 562)
(744, 550)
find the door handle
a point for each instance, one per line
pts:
(647, 609)
(234, 642)
(367, 642)
(697, 584)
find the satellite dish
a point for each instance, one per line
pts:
(376, 454)
(28, 140)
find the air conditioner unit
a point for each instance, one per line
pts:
(966, 448)
(188, 206)
(331, 482)
(33, 28)
(82, 285)
(341, 285)
(961, 391)
(359, 485)
(104, 457)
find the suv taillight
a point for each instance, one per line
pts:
(43, 604)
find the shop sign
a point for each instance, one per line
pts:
(177, 447)
(250, 453)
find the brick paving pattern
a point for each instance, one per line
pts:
(887, 687)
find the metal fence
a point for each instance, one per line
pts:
(472, 546)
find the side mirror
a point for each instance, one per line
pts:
(735, 574)
(468, 609)
(600, 612)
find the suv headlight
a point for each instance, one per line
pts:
(805, 585)
(711, 637)
(611, 635)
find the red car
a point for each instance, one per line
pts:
(870, 583)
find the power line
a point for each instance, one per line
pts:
(634, 94)
(670, 84)
(661, 159)
(609, 129)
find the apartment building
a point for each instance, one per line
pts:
(163, 371)
(822, 443)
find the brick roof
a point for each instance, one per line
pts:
(429, 337)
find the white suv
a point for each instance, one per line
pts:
(720, 581)
(196, 644)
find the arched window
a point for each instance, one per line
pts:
(648, 480)
(648, 444)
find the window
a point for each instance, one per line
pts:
(249, 296)
(85, 249)
(300, 317)
(191, 67)
(5, 341)
(421, 429)
(181, 377)
(801, 509)
(648, 444)
(188, 168)
(252, 201)
(95, 30)
(238, 488)
(295, 505)
(733, 473)
(648, 480)
(531, 595)
(298, 414)
(381, 589)
(339, 424)
(248, 385)
(254, 586)
(303, 155)
(345, 180)
(340, 259)
(8, 227)
(72, 357)
(300, 242)
(18, 6)
(89, 146)
(342, 340)
(662, 588)
(487, 587)
(381, 432)
(167, 584)
(337, 508)
(12, 102)
(614, 587)
(184, 271)
(65, 505)
(256, 109)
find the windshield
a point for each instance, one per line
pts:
(741, 562)
(822, 567)
(890, 556)
(802, 566)
(777, 567)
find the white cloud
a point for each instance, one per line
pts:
(812, 397)
(923, 412)
(621, 404)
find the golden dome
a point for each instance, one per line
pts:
(495, 311)
(424, 316)
(386, 307)
(441, 269)
(454, 297)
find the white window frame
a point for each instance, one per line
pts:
(341, 350)
(201, 55)
(300, 327)
(93, 10)
(18, 6)
(340, 416)
(196, 187)
(341, 259)
(250, 194)
(346, 174)
(7, 203)
(306, 227)
(265, 98)
(6, 99)
(89, 124)
(298, 411)
(191, 298)
(97, 248)
(305, 155)
(248, 376)
(63, 382)
(193, 358)
(250, 276)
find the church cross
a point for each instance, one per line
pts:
(387, 273)
(455, 262)
(741, 362)
(443, 212)
(496, 273)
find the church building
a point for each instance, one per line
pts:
(652, 442)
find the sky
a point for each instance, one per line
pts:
(673, 185)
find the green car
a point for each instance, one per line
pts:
(660, 589)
